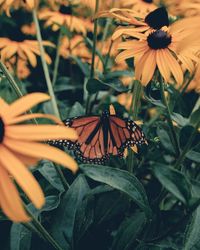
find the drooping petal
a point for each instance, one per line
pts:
(23, 104)
(149, 67)
(162, 66)
(40, 132)
(22, 176)
(10, 200)
(42, 151)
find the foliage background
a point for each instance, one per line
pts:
(145, 201)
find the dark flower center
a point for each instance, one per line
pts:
(1, 130)
(159, 39)
(148, 1)
(157, 18)
(65, 9)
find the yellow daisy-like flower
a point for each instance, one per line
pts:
(25, 49)
(63, 17)
(159, 49)
(19, 146)
(141, 6)
(5, 5)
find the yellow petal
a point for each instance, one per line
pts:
(26, 117)
(40, 132)
(112, 110)
(10, 201)
(23, 177)
(42, 151)
(23, 104)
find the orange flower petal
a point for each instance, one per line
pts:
(42, 151)
(23, 104)
(10, 200)
(40, 132)
(22, 176)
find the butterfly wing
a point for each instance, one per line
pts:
(99, 138)
(124, 133)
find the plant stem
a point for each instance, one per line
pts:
(93, 55)
(44, 65)
(135, 103)
(62, 177)
(42, 231)
(169, 119)
(57, 59)
(11, 80)
(187, 146)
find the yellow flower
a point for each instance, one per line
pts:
(29, 29)
(6, 5)
(24, 49)
(141, 6)
(62, 17)
(19, 146)
(159, 49)
(18, 67)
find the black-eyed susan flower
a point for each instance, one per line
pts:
(6, 5)
(20, 146)
(137, 22)
(22, 48)
(141, 6)
(62, 17)
(158, 49)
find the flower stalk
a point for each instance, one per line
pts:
(44, 65)
(172, 132)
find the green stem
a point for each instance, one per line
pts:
(135, 103)
(172, 132)
(42, 231)
(14, 85)
(187, 146)
(57, 59)
(44, 65)
(93, 55)
(11, 80)
(62, 177)
(107, 57)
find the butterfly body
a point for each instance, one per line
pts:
(101, 136)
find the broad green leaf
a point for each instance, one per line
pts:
(165, 139)
(193, 155)
(194, 118)
(64, 218)
(120, 180)
(20, 237)
(192, 236)
(84, 217)
(174, 181)
(76, 110)
(48, 171)
(179, 119)
(128, 231)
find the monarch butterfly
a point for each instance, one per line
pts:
(101, 136)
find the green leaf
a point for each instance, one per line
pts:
(194, 118)
(120, 180)
(48, 171)
(165, 139)
(128, 231)
(192, 236)
(64, 217)
(193, 155)
(179, 119)
(76, 110)
(174, 181)
(64, 84)
(20, 237)
(94, 85)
